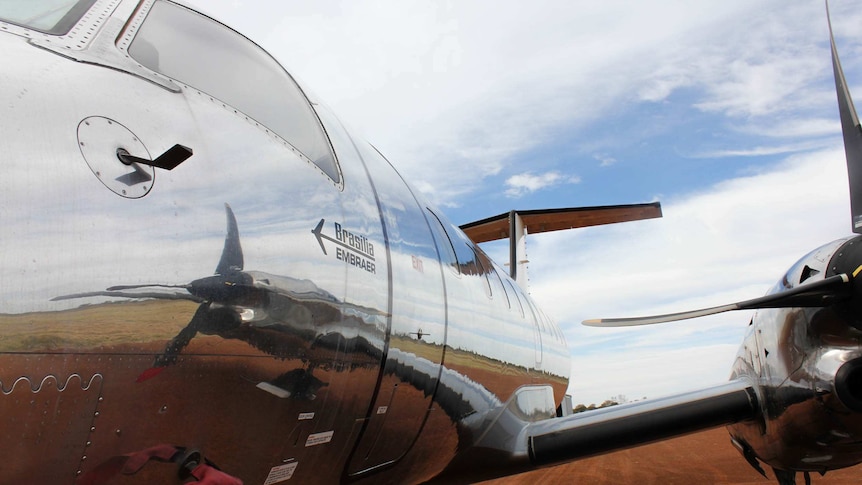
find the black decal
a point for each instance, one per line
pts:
(355, 249)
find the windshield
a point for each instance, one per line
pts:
(200, 52)
(55, 17)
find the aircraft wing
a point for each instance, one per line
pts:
(624, 426)
(554, 441)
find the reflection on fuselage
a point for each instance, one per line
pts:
(286, 358)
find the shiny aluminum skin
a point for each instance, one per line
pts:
(285, 313)
(810, 408)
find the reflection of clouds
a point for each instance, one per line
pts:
(66, 233)
(419, 305)
(486, 332)
(728, 243)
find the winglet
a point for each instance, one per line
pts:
(515, 225)
(545, 220)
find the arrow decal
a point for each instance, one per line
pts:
(318, 233)
(354, 249)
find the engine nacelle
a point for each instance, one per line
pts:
(806, 364)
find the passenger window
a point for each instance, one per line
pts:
(466, 257)
(517, 297)
(484, 269)
(447, 252)
(532, 311)
(198, 51)
(499, 280)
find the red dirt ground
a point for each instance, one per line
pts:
(702, 458)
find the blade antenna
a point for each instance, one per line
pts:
(852, 134)
(231, 256)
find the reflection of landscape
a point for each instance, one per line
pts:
(93, 326)
(124, 328)
(302, 348)
(498, 377)
(218, 377)
(177, 362)
(282, 316)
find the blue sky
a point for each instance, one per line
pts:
(724, 111)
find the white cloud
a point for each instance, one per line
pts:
(605, 160)
(628, 370)
(463, 87)
(467, 86)
(767, 150)
(726, 244)
(527, 182)
(796, 128)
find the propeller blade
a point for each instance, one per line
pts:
(816, 294)
(151, 285)
(852, 134)
(231, 256)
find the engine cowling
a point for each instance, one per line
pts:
(806, 364)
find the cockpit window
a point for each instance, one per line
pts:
(215, 59)
(55, 17)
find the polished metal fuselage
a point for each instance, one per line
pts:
(343, 345)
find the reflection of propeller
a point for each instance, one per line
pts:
(838, 285)
(132, 287)
(225, 285)
(285, 311)
(229, 283)
(119, 294)
(206, 319)
(231, 256)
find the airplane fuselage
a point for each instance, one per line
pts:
(202, 270)
(360, 335)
